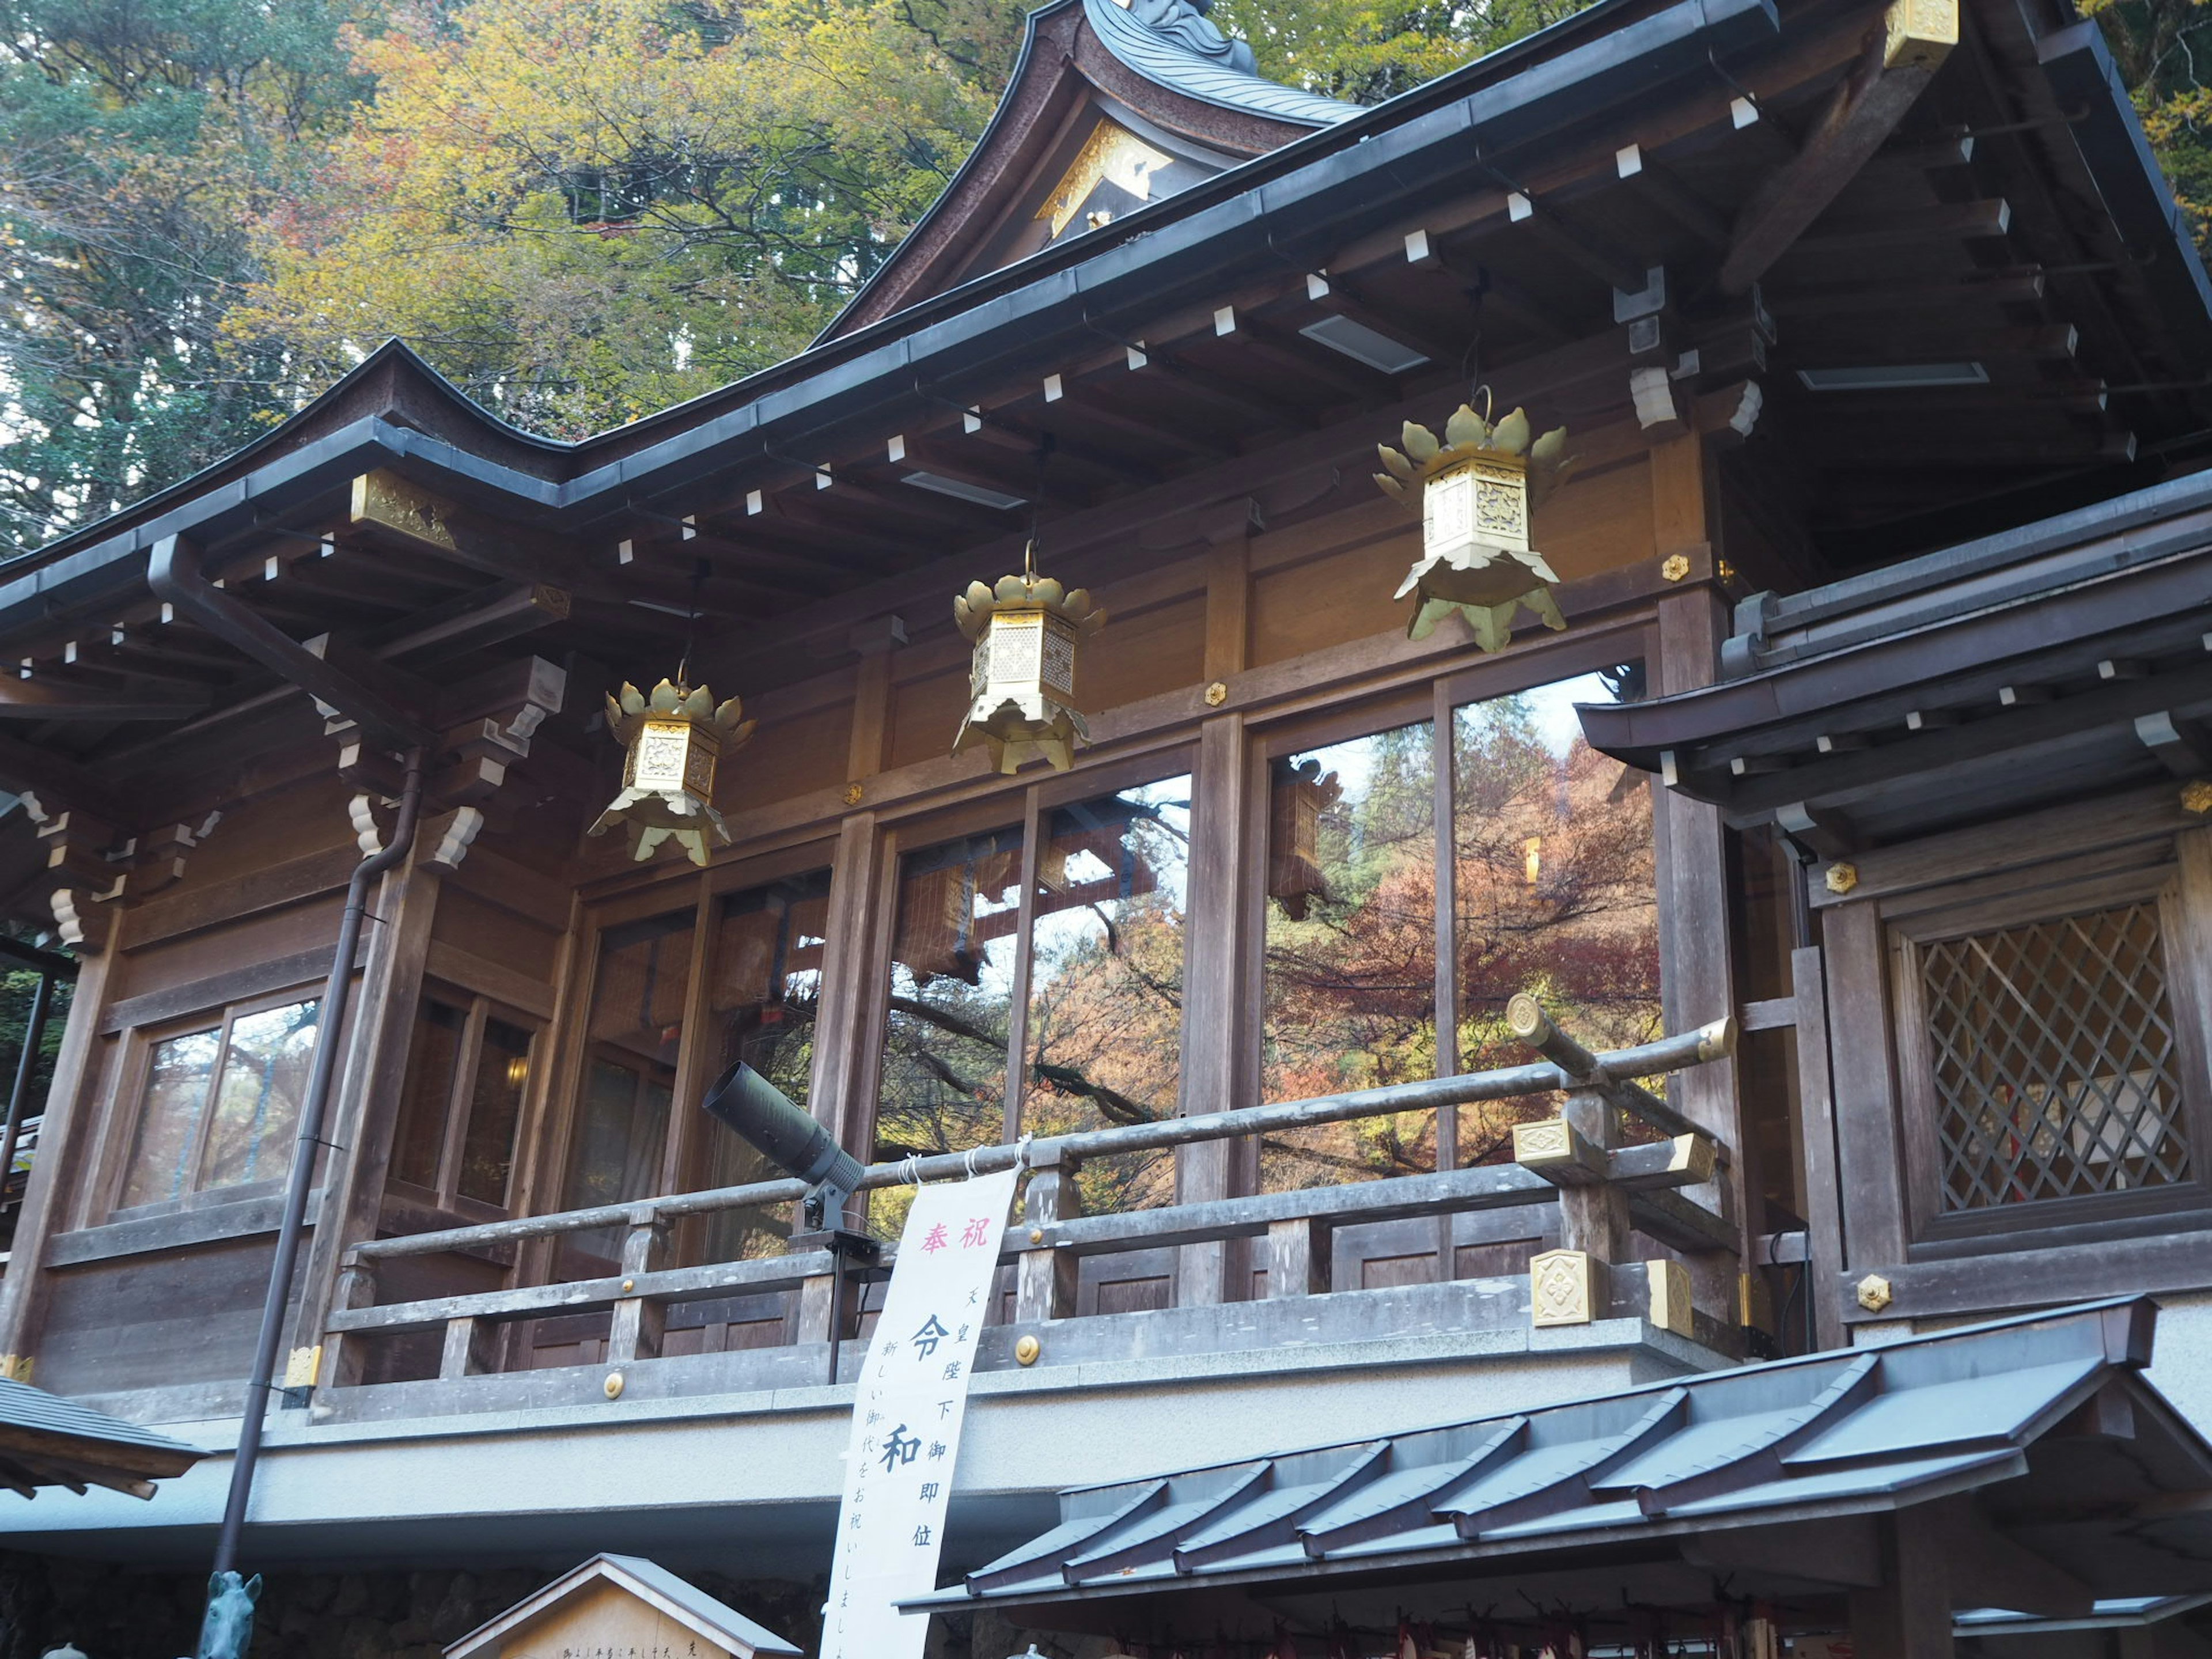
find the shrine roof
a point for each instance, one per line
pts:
(48, 1441)
(1975, 681)
(1615, 1484)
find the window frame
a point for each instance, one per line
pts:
(475, 1008)
(137, 1077)
(569, 1051)
(2064, 888)
(1029, 802)
(1437, 700)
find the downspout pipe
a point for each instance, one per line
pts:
(330, 1022)
(34, 1031)
(174, 574)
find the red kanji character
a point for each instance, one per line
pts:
(935, 1239)
(977, 1231)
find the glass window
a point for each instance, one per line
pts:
(418, 1142)
(1351, 949)
(951, 997)
(460, 1106)
(502, 1076)
(1555, 891)
(1554, 885)
(765, 990)
(221, 1106)
(637, 1028)
(1105, 1032)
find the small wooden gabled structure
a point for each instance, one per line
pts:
(620, 1604)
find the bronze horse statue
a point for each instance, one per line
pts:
(226, 1628)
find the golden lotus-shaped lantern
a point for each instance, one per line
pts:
(673, 739)
(1474, 492)
(1021, 682)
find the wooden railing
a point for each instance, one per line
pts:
(1606, 1189)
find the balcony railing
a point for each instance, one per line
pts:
(1606, 1188)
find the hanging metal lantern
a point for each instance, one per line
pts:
(673, 738)
(1301, 797)
(1021, 685)
(1474, 492)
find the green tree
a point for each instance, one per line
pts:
(2164, 49)
(137, 138)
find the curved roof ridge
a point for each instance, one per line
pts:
(1174, 43)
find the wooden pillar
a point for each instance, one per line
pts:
(1046, 1279)
(1869, 1151)
(1219, 974)
(1697, 930)
(1908, 1615)
(66, 1151)
(1824, 1218)
(367, 1107)
(846, 1058)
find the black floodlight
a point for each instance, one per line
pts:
(788, 1139)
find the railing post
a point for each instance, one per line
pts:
(1298, 1254)
(635, 1332)
(1045, 1279)
(342, 1353)
(471, 1348)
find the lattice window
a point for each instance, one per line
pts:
(2052, 1047)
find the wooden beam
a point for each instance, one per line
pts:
(1949, 221)
(1901, 58)
(43, 697)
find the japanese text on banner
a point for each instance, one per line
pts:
(911, 1401)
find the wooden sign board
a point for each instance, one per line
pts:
(620, 1607)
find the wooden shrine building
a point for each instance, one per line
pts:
(1795, 937)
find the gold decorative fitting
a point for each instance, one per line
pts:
(16, 1367)
(1112, 154)
(1476, 490)
(1036, 1235)
(2197, 797)
(1027, 1349)
(674, 737)
(1676, 567)
(302, 1366)
(1724, 570)
(1561, 1288)
(1874, 1293)
(1542, 1142)
(1842, 878)
(1918, 34)
(612, 1387)
(1216, 695)
(852, 794)
(629, 1284)
(1021, 683)
(1669, 1308)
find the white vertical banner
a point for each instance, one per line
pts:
(912, 1399)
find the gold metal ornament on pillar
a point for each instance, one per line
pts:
(673, 738)
(1475, 491)
(1021, 682)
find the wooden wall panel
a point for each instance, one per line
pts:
(1599, 523)
(1141, 656)
(149, 1321)
(1339, 597)
(306, 925)
(301, 819)
(496, 934)
(789, 754)
(926, 713)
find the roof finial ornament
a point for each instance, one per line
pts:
(1185, 23)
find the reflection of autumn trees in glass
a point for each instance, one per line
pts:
(1105, 1008)
(1553, 871)
(1552, 860)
